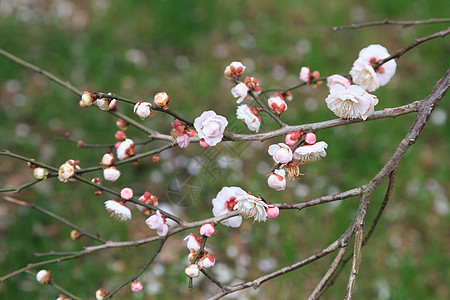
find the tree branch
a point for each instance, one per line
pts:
(391, 22)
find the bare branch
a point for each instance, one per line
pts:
(391, 22)
(357, 253)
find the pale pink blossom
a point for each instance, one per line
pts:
(272, 212)
(158, 222)
(249, 206)
(225, 202)
(313, 152)
(234, 70)
(161, 100)
(183, 140)
(249, 116)
(210, 127)
(281, 153)
(337, 79)
(143, 109)
(192, 271)
(351, 103)
(363, 72)
(111, 174)
(120, 135)
(125, 149)
(67, 170)
(87, 99)
(136, 286)
(40, 173)
(253, 84)
(207, 229)
(305, 74)
(193, 242)
(277, 104)
(107, 159)
(126, 193)
(277, 180)
(240, 91)
(204, 144)
(292, 138)
(310, 138)
(206, 261)
(118, 210)
(43, 277)
(106, 103)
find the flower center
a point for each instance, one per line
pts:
(231, 203)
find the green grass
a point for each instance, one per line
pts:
(408, 252)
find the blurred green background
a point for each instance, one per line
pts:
(139, 48)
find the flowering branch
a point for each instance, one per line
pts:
(53, 284)
(391, 22)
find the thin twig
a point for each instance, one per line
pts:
(391, 22)
(357, 253)
(19, 188)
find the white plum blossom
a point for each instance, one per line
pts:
(106, 103)
(107, 159)
(161, 100)
(281, 153)
(67, 170)
(87, 99)
(250, 206)
(118, 210)
(337, 79)
(240, 91)
(158, 222)
(207, 229)
(192, 271)
(111, 174)
(210, 127)
(363, 72)
(192, 242)
(248, 114)
(43, 277)
(277, 180)
(40, 173)
(143, 109)
(225, 202)
(351, 103)
(234, 70)
(313, 152)
(206, 261)
(125, 149)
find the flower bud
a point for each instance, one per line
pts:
(192, 271)
(107, 159)
(75, 235)
(277, 105)
(100, 294)
(120, 135)
(136, 286)
(161, 100)
(111, 174)
(310, 138)
(87, 99)
(43, 277)
(40, 173)
(67, 170)
(143, 109)
(203, 143)
(122, 124)
(126, 193)
(277, 180)
(207, 229)
(293, 138)
(272, 212)
(156, 158)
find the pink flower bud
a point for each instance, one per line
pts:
(203, 143)
(136, 286)
(143, 109)
(107, 159)
(305, 74)
(277, 105)
(207, 261)
(122, 124)
(126, 193)
(310, 138)
(207, 229)
(111, 174)
(292, 138)
(277, 180)
(273, 212)
(120, 135)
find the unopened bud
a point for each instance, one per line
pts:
(100, 294)
(122, 124)
(156, 158)
(75, 235)
(43, 277)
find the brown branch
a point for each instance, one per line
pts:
(357, 253)
(391, 22)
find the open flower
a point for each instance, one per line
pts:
(281, 153)
(118, 210)
(337, 79)
(125, 149)
(143, 109)
(240, 91)
(158, 222)
(313, 152)
(111, 174)
(277, 180)
(364, 74)
(234, 70)
(210, 127)
(351, 103)
(67, 170)
(277, 104)
(249, 206)
(225, 202)
(249, 116)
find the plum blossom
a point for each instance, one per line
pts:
(248, 114)
(143, 109)
(150, 199)
(281, 153)
(225, 202)
(337, 79)
(207, 229)
(181, 134)
(126, 193)
(313, 152)
(250, 206)
(87, 98)
(118, 210)
(162, 100)
(277, 104)
(292, 138)
(125, 149)
(206, 261)
(364, 74)
(192, 271)
(310, 138)
(210, 127)
(272, 212)
(351, 103)
(240, 91)
(107, 159)
(234, 70)
(277, 180)
(120, 135)
(106, 103)
(306, 76)
(67, 170)
(158, 222)
(101, 294)
(43, 277)
(253, 84)
(111, 174)
(193, 242)
(136, 286)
